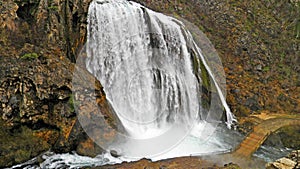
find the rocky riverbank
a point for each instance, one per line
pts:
(289, 162)
(178, 163)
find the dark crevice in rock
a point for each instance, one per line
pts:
(26, 11)
(67, 11)
(40, 124)
(75, 21)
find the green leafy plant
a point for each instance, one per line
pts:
(298, 28)
(53, 8)
(72, 103)
(267, 68)
(30, 56)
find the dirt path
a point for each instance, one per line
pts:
(261, 132)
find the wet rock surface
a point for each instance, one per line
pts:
(290, 162)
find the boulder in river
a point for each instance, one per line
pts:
(290, 162)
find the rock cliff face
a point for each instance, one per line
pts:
(38, 108)
(57, 24)
(34, 110)
(39, 39)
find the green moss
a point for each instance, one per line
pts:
(205, 77)
(298, 28)
(267, 68)
(203, 74)
(53, 8)
(290, 136)
(30, 56)
(19, 145)
(20, 155)
(72, 103)
(195, 63)
(282, 56)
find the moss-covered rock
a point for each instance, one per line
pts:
(19, 145)
(289, 136)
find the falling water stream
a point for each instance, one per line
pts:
(148, 64)
(143, 59)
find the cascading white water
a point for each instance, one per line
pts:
(143, 59)
(144, 65)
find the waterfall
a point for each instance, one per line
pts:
(149, 66)
(145, 62)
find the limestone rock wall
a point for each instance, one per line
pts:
(57, 24)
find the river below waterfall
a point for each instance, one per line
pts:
(269, 153)
(221, 141)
